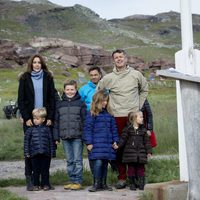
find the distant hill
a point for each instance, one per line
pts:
(149, 37)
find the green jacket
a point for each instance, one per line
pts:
(128, 90)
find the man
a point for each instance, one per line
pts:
(128, 90)
(87, 91)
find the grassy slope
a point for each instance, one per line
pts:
(21, 22)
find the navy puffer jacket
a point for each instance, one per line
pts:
(101, 132)
(39, 140)
(69, 118)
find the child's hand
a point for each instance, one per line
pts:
(149, 155)
(56, 142)
(115, 146)
(89, 147)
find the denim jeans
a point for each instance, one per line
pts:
(74, 155)
(100, 169)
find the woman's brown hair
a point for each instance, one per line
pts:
(30, 63)
(98, 98)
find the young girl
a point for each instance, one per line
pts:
(137, 148)
(100, 133)
(39, 147)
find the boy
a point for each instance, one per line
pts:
(39, 146)
(68, 125)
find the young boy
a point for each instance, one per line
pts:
(39, 146)
(68, 125)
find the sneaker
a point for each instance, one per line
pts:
(68, 186)
(46, 188)
(36, 188)
(76, 186)
(121, 184)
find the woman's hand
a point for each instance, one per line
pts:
(89, 147)
(49, 122)
(29, 122)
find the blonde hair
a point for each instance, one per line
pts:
(39, 112)
(132, 116)
(98, 98)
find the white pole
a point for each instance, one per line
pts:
(184, 64)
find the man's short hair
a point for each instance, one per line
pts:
(95, 68)
(118, 51)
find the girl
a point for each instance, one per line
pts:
(137, 148)
(36, 90)
(100, 133)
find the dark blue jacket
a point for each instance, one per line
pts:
(101, 132)
(39, 140)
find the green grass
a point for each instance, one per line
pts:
(6, 195)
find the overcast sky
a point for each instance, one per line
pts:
(118, 9)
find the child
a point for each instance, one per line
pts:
(100, 133)
(68, 124)
(137, 148)
(39, 146)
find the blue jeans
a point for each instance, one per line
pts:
(74, 155)
(100, 169)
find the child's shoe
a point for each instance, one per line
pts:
(46, 188)
(76, 186)
(96, 186)
(36, 188)
(68, 186)
(141, 180)
(29, 184)
(132, 183)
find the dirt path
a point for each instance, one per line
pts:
(60, 194)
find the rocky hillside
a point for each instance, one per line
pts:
(148, 37)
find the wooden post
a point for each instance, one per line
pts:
(187, 74)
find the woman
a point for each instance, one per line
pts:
(36, 90)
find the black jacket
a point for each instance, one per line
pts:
(136, 144)
(69, 118)
(26, 96)
(39, 140)
(148, 116)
